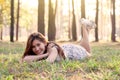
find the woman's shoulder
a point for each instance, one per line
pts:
(51, 42)
(52, 45)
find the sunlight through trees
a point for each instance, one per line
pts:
(61, 19)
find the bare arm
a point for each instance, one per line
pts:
(31, 58)
(52, 55)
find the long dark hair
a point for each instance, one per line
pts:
(40, 37)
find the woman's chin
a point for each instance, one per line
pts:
(40, 53)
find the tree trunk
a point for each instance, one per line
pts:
(69, 27)
(1, 33)
(113, 38)
(17, 24)
(83, 11)
(41, 12)
(1, 22)
(51, 22)
(82, 8)
(12, 22)
(74, 35)
(96, 21)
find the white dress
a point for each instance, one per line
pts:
(73, 52)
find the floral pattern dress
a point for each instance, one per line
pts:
(74, 52)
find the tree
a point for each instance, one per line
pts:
(41, 11)
(4, 15)
(113, 38)
(17, 24)
(69, 27)
(51, 22)
(74, 34)
(82, 8)
(82, 11)
(1, 33)
(1, 22)
(96, 21)
(12, 22)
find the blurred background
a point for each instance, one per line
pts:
(58, 20)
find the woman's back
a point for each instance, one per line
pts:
(74, 52)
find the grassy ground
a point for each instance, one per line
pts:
(103, 65)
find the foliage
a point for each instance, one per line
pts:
(103, 65)
(5, 12)
(25, 14)
(26, 20)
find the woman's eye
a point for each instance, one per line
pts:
(38, 44)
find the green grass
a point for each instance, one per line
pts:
(103, 65)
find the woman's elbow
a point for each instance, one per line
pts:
(25, 59)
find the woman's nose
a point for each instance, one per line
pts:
(37, 48)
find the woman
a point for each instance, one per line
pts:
(38, 48)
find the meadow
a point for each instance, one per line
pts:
(104, 64)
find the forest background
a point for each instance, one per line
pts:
(58, 19)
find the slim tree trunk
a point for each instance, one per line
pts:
(12, 22)
(17, 24)
(113, 38)
(41, 12)
(83, 11)
(82, 8)
(51, 22)
(1, 33)
(69, 27)
(96, 21)
(1, 22)
(74, 34)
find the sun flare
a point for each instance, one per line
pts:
(30, 3)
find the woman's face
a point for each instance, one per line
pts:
(38, 47)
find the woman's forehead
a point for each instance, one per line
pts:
(37, 40)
